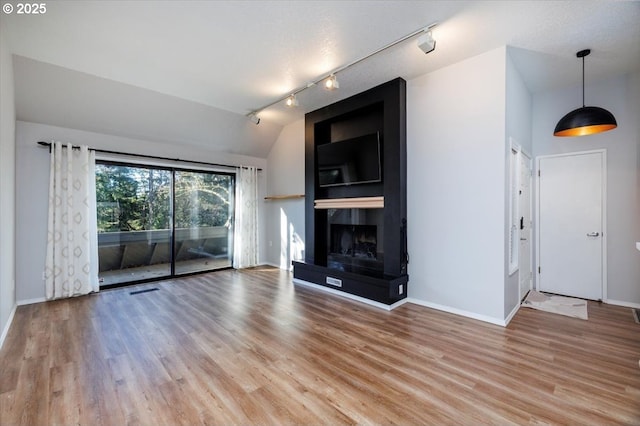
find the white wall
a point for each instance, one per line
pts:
(621, 96)
(518, 127)
(62, 97)
(456, 186)
(32, 177)
(7, 188)
(285, 218)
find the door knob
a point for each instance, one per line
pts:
(593, 234)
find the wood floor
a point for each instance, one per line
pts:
(250, 348)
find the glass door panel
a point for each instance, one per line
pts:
(134, 218)
(203, 221)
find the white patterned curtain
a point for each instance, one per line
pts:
(245, 244)
(72, 249)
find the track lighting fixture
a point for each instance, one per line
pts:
(426, 43)
(292, 101)
(587, 120)
(331, 83)
(253, 118)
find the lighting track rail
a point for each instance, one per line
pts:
(253, 115)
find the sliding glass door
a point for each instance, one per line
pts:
(204, 221)
(160, 222)
(134, 216)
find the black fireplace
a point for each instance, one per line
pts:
(354, 240)
(355, 248)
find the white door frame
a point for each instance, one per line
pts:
(603, 152)
(514, 179)
(529, 160)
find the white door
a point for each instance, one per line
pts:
(571, 225)
(524, 207)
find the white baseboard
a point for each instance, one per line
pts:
(278, 266)
(511, 315)
(5, 331)
(350, 296)
(621, 303)
(31, 301)
(456, 311)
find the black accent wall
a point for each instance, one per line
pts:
(381, 109)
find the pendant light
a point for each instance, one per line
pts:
(586, 120)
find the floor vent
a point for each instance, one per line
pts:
(146, 290)
(636, 315)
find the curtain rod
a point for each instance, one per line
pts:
(154, 157)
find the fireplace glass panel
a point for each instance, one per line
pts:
(355, 242)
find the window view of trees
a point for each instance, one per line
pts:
(137, 199)
(136, 238)
(202, 199)
(131, 198)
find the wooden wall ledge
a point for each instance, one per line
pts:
(283, 197)
(350, 203)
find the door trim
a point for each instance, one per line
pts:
(605, 233)
(516, 148)
(529, 160)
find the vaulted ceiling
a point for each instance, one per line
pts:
(223, 59)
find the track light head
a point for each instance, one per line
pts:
(426, 42)
(254, 118)
(292, 101)
(331, 83)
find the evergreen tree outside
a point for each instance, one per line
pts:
(138, 198)
(202, 199)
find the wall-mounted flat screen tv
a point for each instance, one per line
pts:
(349, 162)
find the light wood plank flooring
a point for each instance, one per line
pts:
(250, 348)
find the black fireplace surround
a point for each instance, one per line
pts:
(351, 248)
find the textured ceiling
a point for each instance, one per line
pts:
(239, 56)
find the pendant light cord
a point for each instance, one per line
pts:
(583, 104)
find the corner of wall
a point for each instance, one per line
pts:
(518, 119)
(285, 218)
(7, 325)
(7, 187)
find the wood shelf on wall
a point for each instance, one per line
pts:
(350, 203)
(284, 197)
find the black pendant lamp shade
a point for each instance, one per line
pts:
(587, 120)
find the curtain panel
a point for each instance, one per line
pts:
(245, 245)
(71, 267)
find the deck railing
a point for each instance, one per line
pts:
(122, 250)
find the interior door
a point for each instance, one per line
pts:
(525, 250)
(571, 224)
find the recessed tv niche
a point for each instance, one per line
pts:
(350, 161)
